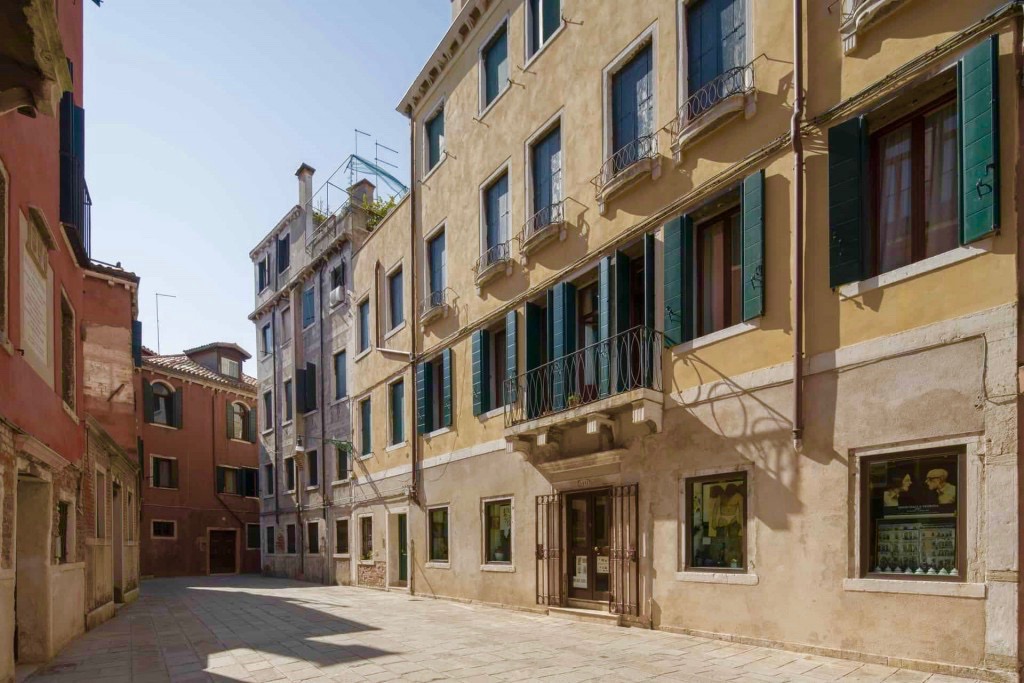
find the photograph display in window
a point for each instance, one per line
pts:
(718, 522)
(913, 508)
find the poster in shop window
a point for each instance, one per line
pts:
(579, 579)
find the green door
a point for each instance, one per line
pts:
(403, 553)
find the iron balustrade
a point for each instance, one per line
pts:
(624, 362)
(552, 214)
(499, 253)
(643, 147)
(434, 301)
(734, 81)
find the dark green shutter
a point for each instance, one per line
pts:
(978, 107)
(563, 325)
(229, 418)
(424, 397)
(481, 372)
(604, 325)
(250, 425)
(623, 294)
(137, 343)
(310, 394)
(446, 374)
(174, 474)
(679, 289)
(649, 281)
(532, 384)
(510, 389)
(753, 246)
(847, 189)
(176, 401)
(239, 475)
(300, 390)
(147, 401)
(220, 480)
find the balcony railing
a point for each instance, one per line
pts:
(493, 257)
(552, 214)
(434, 303)
(627, 361)
(644, 147)
(735, 81)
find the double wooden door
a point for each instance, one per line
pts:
(222, 551)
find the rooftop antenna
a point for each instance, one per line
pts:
(378, 161)
(351, 169)
(157, 297)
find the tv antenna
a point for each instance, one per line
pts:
(378, 161)
(157, 297)
(352, 171)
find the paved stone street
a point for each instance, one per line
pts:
(251, 628)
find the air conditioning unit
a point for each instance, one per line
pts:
(337, 296)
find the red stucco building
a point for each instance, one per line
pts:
(200, 505)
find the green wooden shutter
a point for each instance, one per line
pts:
(229, 418)
(511, 357)
(239, 475)
(177, 403)
(623, 294)
(147, 400)
(446, 375)
(563, 324)
(481, 372)
(753, 246)
(174, 474)
(604, 325)
(424, 395)
(532, 385)
(677, 309)
(847, 188)
(311, 403)
(649, 281)
(978, 107)
(220, 480)
(300, 390)
(250, 425)
(137, 343)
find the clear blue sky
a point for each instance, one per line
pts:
(198, 113)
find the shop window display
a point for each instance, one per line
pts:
(718, 522)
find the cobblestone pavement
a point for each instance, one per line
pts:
(252, 628)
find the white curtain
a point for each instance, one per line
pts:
(940, 187)
(894, 229)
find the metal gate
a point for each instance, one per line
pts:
(550, 577)
(625, 565)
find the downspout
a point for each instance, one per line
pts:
(273, 411)
(328, 553)
(798, 224)
(414, 494)
(213, 457)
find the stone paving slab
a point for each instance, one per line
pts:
(251, 628)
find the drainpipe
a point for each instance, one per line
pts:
(213, 457)
(273, 411)
(798, 224)
(323, 429)
(414, 494)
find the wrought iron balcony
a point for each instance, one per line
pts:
(542, 225)
(736, 81)
(434, 305)
(493, 261)
(623, 363)
(626, 158)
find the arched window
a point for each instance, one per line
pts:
(241, 419)
(163, 405)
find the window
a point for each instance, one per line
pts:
(717, 518)
(262, 274)
(716, 44)
(397, 412)
(289, 534)
(338, 275)
(269, 541)
(498, 531)
(164, 472)
(494, 71)
(286, 325)
(543, 18)
(434, 393)
(364, 325)
(267, 339)
(340, 376)
(227, 480)
(913, 514)
(438, 521)
(67, 352)
(288, 407)
(313, 537)
(498, 351)
(915, 167)
(100, 501)
(289, 474)
(365, 427)
(163, 405)
(395, 300)
(366, 538)
(252, 536)
(164, 529)
(268, 479)
(238, 418)
(434, 132)
(312, 469)
(496, 222)
(632, 108)
(268, 410)
(341, 536)
(62, 532)
(546, 169)
(250, 488)
(308, 307)
(490, 367)
(436, 268)
(130, 517)
(284, 253)
(230, 367)
(341, 463)
(719, 272)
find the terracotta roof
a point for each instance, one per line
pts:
(219, 345)
(182, 365)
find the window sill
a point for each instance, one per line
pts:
(737, 578)
(291, 491)
(70, 411)
(536, 55)
(483, 417)
(339, 482)
(500, 568)
(309, 326)
(341, 556)
(339, 400)
(649, 167)
(950, 589)
(366, 456)
(438, 565)
(164, 488)
(369, 563)
(715, 337)
(394, 330)
(234, 440)
(396, 446)
(437, 432)
(267, 432)
(433, 169)
(493, 103)
(6, 344)
(913, 270)
(309, 412)
(313, 487)
(286, 423)
(157, 424)
(363, 354)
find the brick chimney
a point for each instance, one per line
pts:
(305, 176)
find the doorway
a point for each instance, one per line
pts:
(118, 543)
(403, 552)
(588, 521)
(222, 551)
(31, 588)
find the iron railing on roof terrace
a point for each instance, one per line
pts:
(552, 214)
(629, 360)
(734, 81)
(643, 147)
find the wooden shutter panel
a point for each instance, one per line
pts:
(147, 400)
(300, 390)
(563, 317)
(424, 395)
(240, 481)
(753, 246)
(604, 325)
(623, 294)
(673, 269)
(250, 425)
(446, 375)
(511, 357)
(481, 372)
(174, 474)
(645, 336)
(67, 153)
(229, 418)
(847, 186)
(535, 324)
(310, 393)
(978, 106)
(137, 343)
(220, 480)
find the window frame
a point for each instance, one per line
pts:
(503, 171)
(484, 106)
(240, 409)
(719, 215)
(340, 389)
(340, 451)
(234, 476)
(392, 442)
(290, 471)
(431, 560)
(496, 565)
(267, 338)
(245, 469)
(169, 410)
(649, 36)
(440, 230)
(682, 55)
(366, 557)
(309, 292)
(270, 534)
(287, 325)
(312, 468)
(268, 411)
(100, 476)
(365, 439)
(288, 387)
(269, 477)
(437, 110)
(174, 527)
(152, 469)
(535, 138)
(363, 328)
(348, 538)
(264, 263)
(5, 266)
(396, 271)
(259, 544)
(687, 535)
(287, 238)
(68, 384)
(528, 18)
(294, 539)
(313, 533)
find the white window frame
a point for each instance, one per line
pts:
(295, 477)
(172, 522)
(485, 565)
(265, 259)
(267, 350)
(392, 328)
(359, 539)
(170, 387)
(482, 105)
(392, 444)
(528, 19)
(362, 353)
(547, 127)
(682, 58)
(308, 469)
(348, 521)
(359, 417)
(427, 239)
(273, 534)
(648, 35)
(247, 411)
(319, 540)
(504, 168)
(440, 564)
(273, 478)
(152, 469)
(439, 106)
(227, 493)
(316, 312)
(296, 527)
(263, 407)
(259, 546)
